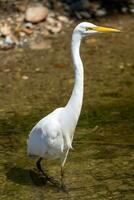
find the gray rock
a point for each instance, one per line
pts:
(132, 10)
(100, 12)
(80, 5)
(85, 14)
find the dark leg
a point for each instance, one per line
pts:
(47, 178)
(38, 164)
(62, 176)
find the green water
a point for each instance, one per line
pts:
(101, 165)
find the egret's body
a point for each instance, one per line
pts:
(52, 136)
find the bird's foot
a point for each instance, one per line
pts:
(37, 178)
(53, 181)
(63, 187)
(44, 177)
(59, 185)
(48, 178)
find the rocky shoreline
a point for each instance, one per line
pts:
(30, 27)
(29, 23)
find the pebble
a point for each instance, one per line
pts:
(63, 19)
(101, 12)
(5, 29)
(53, 25)
(20, 18)
(51, 20)
(121, 66)
(10, 20)
(27, 31)
(132, 10)
(22, 34)
(8, 40)
(25, 77)
(45, 33)
(36, 13)
(54, 29)
(28, 25)
(1, 42)
(51, 14)
(85, 14)
(37, 69)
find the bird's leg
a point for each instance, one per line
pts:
(63, 160)
(62, 185)
(38, 164)
(48, 178)
(62, 176)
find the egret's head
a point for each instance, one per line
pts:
(86, 29)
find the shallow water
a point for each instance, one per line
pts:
(101, 165)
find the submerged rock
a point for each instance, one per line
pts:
(40, 45)
(24, 77)
(36, 13)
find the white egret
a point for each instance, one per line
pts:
(52, 136)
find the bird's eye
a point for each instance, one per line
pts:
(88, 28)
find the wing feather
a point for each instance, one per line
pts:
(46, 138)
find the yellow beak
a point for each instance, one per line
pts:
(102, 29)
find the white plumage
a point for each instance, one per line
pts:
(52, 136)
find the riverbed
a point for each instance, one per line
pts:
(35, 82)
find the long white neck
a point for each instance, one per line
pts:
(75, 102)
